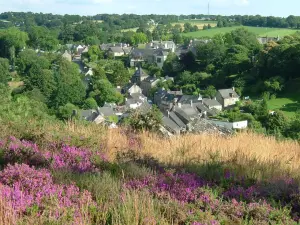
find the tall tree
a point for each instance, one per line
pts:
(4, 71)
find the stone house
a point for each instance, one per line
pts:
(138, 76)
(67, 56)
(227, 97)
(160, 57)
(149, 83)
(165, 45)
(116, 51)
(212, 104)
(131, 88)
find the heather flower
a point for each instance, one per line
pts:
(23, 187)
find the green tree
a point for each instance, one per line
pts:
(67, 111)
(42, 38)
(103, 91)
(90, 103)
(4, 71)
(150, 121)
(12, 41)
(139, 38)
(70, 88)
(210, 91)
(172, 65)
(120, 75)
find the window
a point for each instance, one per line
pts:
(158, 60)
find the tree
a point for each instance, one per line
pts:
(139, 38)
(42, 38)
(4, 71)
(41, 78)
(172, 65)
(150, 121)
(210, 91)
(12, 40)
(70, 88)
(103, 91)
(67, 111)
(237, 60)
(94, 53)
(90, 103)
(187, 27)
(120, 75)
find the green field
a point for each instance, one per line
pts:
(259, 31)
(289, 101)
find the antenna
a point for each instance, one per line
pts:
(208, 10)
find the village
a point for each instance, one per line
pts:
(181, 113)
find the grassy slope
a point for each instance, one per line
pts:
(260, 31)
(289, 101)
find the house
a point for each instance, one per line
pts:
(231, 125)
(139, 55)
(212, 104)
(165, 99)
(92, 116)
(195, 42)
(265, 40)
(227, 97)
(88, 75)
(149, 83)
(137, 101)
(165, 45)
(127, 50)
(187, 113)
(138, 76)
(160, 56)
(67, 56)
(116, 51)
(170, 125)
(131, 88)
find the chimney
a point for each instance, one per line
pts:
(233, 88)
(179, 105)
(191, 103)
(168, 113)
(215, 98)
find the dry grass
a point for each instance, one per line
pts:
(199, 24)
(259, 155)
(7, 214)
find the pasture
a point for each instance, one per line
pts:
(259, 31)
(198, 23)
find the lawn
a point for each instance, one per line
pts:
(289, 104)
(259, 31)
(289, 101)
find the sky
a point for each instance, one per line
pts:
(217, 7)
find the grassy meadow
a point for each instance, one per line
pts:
(259, 31)
(121, 177)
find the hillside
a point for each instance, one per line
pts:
(129, 178)
(259, 31)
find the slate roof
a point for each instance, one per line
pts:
(202, 108)
(225, 93)
(167, 122)
(116, 49)
(161, 52)
(140, 73)
(106, 111)
(127, 50)
(186, 99)
(141, 53)
(89, 115)
(211, 102)
(137, 96)
(176, 119)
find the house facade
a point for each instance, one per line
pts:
(227, 97)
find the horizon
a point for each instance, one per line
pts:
(158, 7)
